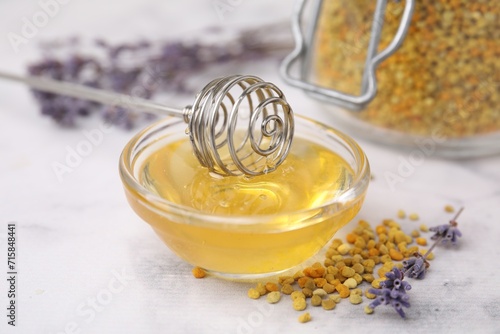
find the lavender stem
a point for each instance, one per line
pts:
(458, 214)
(432, 247)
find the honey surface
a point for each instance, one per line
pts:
(310, 176)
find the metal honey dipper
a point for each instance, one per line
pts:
(215, 120)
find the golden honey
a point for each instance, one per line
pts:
(244, 225)
(310, 176)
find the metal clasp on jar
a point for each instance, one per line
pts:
(369, 83)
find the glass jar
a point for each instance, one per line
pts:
(405, 71)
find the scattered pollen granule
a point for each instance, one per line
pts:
(413, 216)
(253, 293)
(449, 209)
(273, 297)
(328, 304)
(299, 304)
(316, 300)
(272, 287)
(421, 241)
(395, 254)
(297, 294)
(199, 272)
(287, 289)
(305, 317)
(355, 299)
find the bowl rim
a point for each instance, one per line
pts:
(156, 203)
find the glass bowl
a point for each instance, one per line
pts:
(245, 246)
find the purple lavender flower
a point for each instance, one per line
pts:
(416, 266)
(394, 280)
(392, 292)
(63, 109)
(447, 233)
(386, 296)
(118, 116)
(143, 69)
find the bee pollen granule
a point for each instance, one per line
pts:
(328, 304)
(421, 241)
(297, 294)
(253, 293)
(449, 209)
(316, 300)
(273, 297)
(305, 317)
(198, 272)
(299, 304)
(355, 299)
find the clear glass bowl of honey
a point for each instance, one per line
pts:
(243, 227)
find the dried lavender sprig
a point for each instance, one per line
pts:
(386, 297)
(394, 280)
(447, 232)
(416, 266)
(145, 69)
(392, 292)
(62, 109)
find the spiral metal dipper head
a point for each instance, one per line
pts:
(240, 125)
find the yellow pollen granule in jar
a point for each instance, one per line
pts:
(311, 175)
(444, 77)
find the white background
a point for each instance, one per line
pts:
(75, 236)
